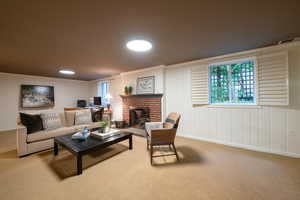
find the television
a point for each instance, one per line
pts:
(97, 101)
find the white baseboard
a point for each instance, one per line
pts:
(242, 146)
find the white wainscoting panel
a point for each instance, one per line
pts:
(273, 129)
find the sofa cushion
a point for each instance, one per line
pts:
(83, 117)
(70, 118)
(33, 123)
(80, 127)
(51, 121)
(44, 135)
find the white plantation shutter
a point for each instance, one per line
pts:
(272, 76)
(199, 81)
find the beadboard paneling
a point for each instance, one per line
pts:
(273, 129)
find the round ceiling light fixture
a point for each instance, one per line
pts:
(67, 72)
(139, 45)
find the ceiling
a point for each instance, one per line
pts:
(40, 37)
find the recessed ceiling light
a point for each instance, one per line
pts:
(68, 72)
(139, 45)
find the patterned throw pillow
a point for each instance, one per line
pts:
(83, 117)
(51, 121)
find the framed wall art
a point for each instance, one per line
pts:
(145, 85)
(37, 96)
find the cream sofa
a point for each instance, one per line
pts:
(43, 140)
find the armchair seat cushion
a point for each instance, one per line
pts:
(153, 125)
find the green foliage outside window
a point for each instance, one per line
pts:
(232, 83)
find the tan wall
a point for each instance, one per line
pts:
(66, 94)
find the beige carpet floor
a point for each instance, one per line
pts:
(206, 172)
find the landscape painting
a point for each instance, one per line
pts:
(37, 96)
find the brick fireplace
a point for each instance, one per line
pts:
(149, 101)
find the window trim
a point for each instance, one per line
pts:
(103, 99)
(229, 62)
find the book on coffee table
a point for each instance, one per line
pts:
(80, 136)
(108, 134)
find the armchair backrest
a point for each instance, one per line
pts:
(172, 120)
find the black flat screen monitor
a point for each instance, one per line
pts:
(97, 101)
(81, 103)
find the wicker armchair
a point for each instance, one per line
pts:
(162, 133)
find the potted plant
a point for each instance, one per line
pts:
(126, 91)
(129, 90)
(103, 127)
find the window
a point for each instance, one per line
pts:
(260, 80)
(232, 82)
(103, 91)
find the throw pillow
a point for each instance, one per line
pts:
(70, 118)
(83, 117)
(51, 121)
(33, 123)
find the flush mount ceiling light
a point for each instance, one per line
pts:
(68, 72)
(139, 45)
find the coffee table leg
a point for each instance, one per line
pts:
(79, 164)
(130, 142)
(55, 148)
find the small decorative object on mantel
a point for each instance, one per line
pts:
(145, 85)
(128, 90)
(37, 96)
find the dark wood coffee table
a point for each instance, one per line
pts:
(79, 148)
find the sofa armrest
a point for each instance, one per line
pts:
(152, 125)
(21, 139)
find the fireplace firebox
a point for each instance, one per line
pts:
(138, 116)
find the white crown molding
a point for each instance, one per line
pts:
(143, 70)
(129, 73)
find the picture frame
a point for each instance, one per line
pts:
(145, 85)
(37, 96)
